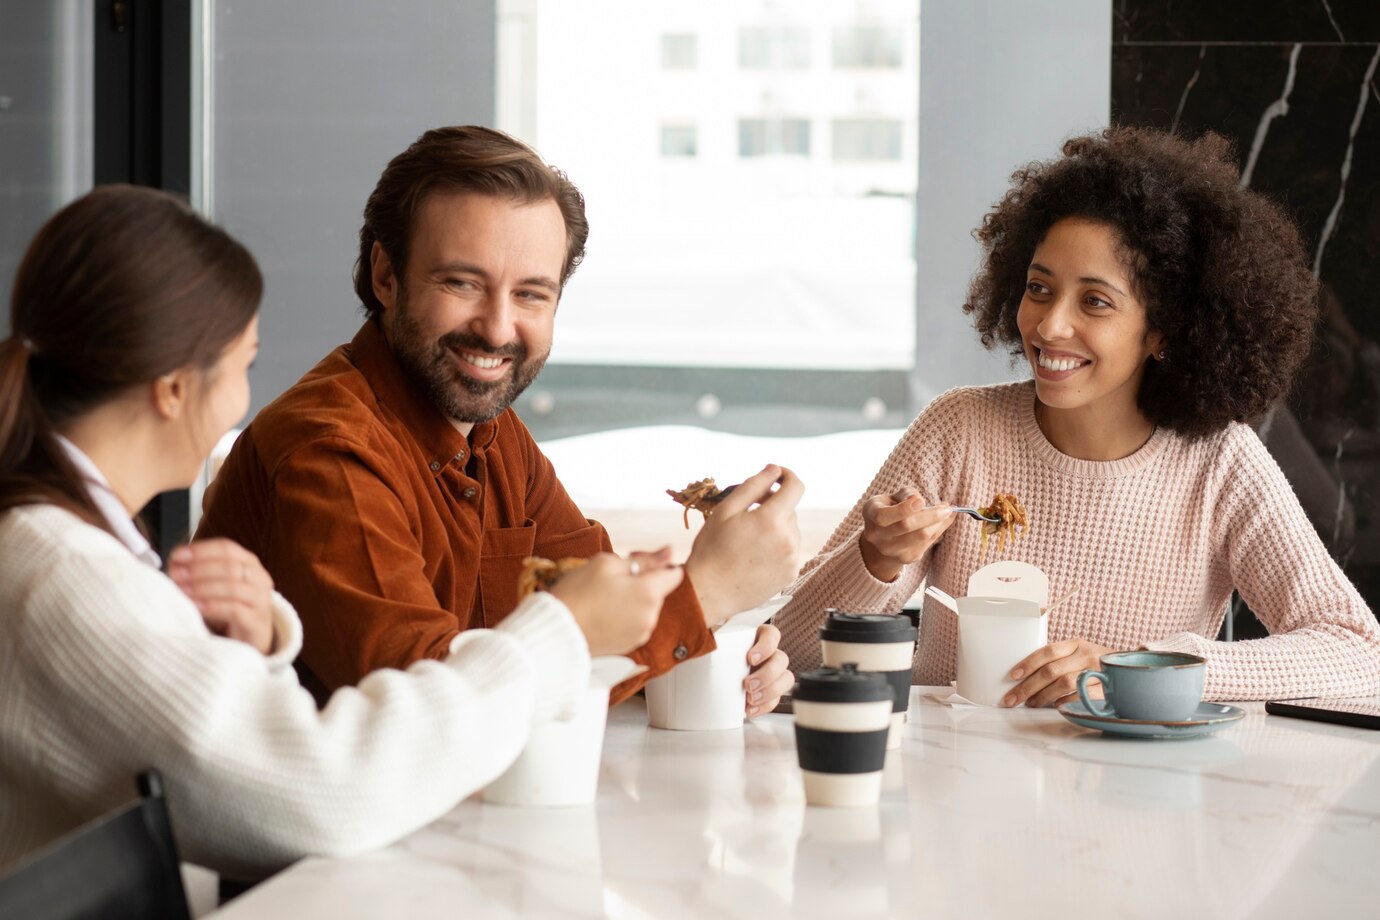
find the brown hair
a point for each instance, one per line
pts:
(1221, 269)
(121, 286)
(464, 158)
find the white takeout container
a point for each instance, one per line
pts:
(560, 764)
(1000, 622)
(706, 693)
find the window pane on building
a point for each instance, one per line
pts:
(678, 140)
(871, 47)
(679, 51)
(865, 139)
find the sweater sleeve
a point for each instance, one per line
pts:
(127, 678)
(1323, 637)
(837, 577)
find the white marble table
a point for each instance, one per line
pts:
(984, 813)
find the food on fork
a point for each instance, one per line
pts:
(702, 496)
(1007, 509)
(540, 574)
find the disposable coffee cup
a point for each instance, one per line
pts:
(842, 716)
(874, 642)
(1147, 686)
(560, 764)
(707, 693)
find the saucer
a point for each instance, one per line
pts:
(1207, 718)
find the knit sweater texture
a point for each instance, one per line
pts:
(1154, 542)
(107, 669)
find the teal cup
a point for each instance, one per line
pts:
(1146, 686)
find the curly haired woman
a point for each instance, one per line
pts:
(1160, 308)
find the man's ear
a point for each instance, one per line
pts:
(381, 276)
(168, 393)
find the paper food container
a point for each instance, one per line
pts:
(706, 693)
(560, 765)
(999, 623)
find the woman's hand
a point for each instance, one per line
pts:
(230, 587)
(770, 676)
(1051, 673)
(898, 529)
(616, 602)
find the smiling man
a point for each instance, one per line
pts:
(393, 494)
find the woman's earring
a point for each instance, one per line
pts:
(1160, 356)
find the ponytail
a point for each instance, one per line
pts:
(33, 466)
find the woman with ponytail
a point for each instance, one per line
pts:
(133, 324)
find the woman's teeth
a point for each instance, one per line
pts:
(1058, 364)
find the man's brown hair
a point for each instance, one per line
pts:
(462, 158)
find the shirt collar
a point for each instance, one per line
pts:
(373, 356)
(109, 504)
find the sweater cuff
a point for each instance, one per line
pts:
(553, 644)
(848, 577)
(287, 636)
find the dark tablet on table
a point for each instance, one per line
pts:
(1362, 712)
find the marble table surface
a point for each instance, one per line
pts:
(984, 813)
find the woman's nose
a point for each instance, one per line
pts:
(1056, 323)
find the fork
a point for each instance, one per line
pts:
(976, 514)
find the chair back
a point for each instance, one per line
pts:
(123, 866)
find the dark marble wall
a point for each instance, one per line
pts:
(1294, 84)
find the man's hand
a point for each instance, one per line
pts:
(230, 587)
(745, 554)
(770, 676)
(1051, 673)
(616, 602)
(898, 529)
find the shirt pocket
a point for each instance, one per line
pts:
(504, 549)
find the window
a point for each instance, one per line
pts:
(678, 140)
(765, 136)
(774, 48)
(869, 47)
(866, 139)
(679, 51)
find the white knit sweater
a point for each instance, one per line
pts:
(106, 669)
(1155, 543)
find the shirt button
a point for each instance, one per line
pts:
(680, 652)
(471, 492)
(460, 456)
(435, 465)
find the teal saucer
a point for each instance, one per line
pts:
(1208, 718)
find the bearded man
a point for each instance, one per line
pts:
(393, 494)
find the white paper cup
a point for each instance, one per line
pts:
(993, 635)
(705, 693)
(560, 765)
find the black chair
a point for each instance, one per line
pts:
(123, 866)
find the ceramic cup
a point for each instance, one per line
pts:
(874, 642)
(841, 720)
(1147, 686)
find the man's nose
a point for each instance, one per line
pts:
(494, 323)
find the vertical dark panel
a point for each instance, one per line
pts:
(142, 119)
(1296, 87)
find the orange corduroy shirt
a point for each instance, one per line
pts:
(391, 532)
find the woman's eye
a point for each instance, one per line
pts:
(1035, 287)
(1098, 302)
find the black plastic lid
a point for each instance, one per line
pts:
(842, 685)
(867, 627)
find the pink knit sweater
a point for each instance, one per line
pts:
(1154, 542)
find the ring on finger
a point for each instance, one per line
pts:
(635, 567)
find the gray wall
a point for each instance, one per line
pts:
(45, 121)
(310, 99)
(1002, 82)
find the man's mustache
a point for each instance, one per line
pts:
(457, 341)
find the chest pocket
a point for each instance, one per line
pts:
(501, 558)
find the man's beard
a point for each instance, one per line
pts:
(432, 365)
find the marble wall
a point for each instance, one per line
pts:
(1294, 84)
